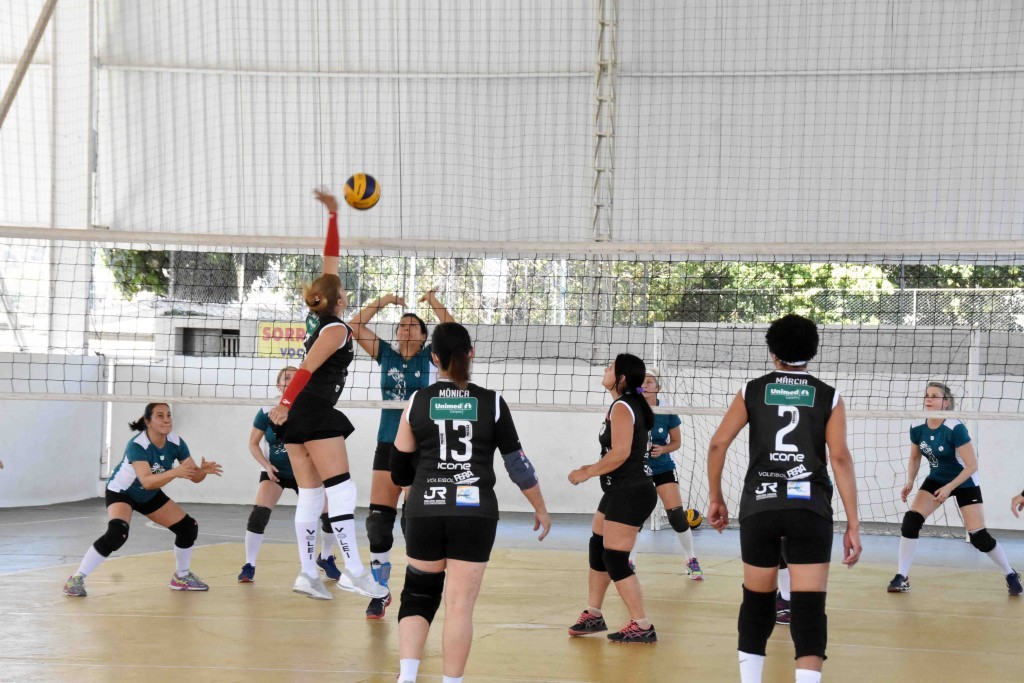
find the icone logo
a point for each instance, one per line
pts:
(786, 457)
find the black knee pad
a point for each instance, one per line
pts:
(912, 523)
(597, 553)
(756, 622)
(401, 522)
(808, 624)
(982, 540)
(677, 519)
(113, 539)
(258, 519)
(380, 528)
(421, 594)
(325, 524)
(617, 564)
(185, 532)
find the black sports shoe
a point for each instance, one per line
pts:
(587, 623)
(632, 633)
(1013, 584)
(375, 610)
(899, 584)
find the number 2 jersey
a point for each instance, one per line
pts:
(457, 432)
(787, 413)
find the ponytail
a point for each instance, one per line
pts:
(452, 346)
(323, 293)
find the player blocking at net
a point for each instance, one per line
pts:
(314, 432)
(787, 493)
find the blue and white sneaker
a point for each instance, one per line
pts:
(248, 574)
(329, 568)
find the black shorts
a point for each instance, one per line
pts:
(469, 539)
(313, 419)
(965, 495)
(631, 506)
(283, 482)
(808, 538)
(382, 457)
(143, 508)
(669, 477)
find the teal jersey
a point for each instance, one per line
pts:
(278, 455)
(938, 447)
(140, 449)
(663, 424)
(400, 379)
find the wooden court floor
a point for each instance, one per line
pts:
(956, 624)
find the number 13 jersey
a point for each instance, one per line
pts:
(787, 413)
(457, 431)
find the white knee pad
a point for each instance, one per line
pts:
(310, 505)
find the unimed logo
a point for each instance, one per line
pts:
(788, 395)
(442, 408)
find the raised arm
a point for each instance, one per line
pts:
(846, 480)
(364, 336)
(332, 246)
(442, 313)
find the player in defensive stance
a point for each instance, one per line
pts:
(629, 499)
(314, 431)
(444, 451)
(276, 476)
(954, 466)
(787, 494)
(403, 370)
(135, 486)
(665, 439)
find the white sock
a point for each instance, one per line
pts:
(750, 667)
(381, 557)
(632, 555)
(907, 548)
(999, 557)
(408, 669)
(451, 679)
(784, 583)
(595, 611)
(808, 676)
(307, 520)
(91, 560)
(182, 558)
(686, 541)
(341, 501)
(253, 541)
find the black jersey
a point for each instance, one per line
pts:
(328, 380)
(635, 470)
(787, 413)
(457, 431)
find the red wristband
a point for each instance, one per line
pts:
(331, 244)
(295, 387)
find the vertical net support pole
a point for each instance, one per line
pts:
(604, 120)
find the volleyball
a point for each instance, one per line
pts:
(362, 191)
(694, 518)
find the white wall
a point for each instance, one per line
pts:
(51, 452)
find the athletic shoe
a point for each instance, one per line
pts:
(363, 584)
(328, 567)
(632, 633)
(375, 610)
(693, 570)
(1013, 584)
(587, 623)
(899, 584)
(189, 582)
(248, 574)
(381, 572)
(781, 610)
(312, 587)
(75, 586)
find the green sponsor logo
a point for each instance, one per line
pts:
(789, 395)
(453, 408)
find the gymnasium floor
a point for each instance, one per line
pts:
(958, 623)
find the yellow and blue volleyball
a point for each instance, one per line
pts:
(694, 518)
(362, 191)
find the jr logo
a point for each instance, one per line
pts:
(435, 493)
(765, 487)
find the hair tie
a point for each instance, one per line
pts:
(316, 298)
(639, 390)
